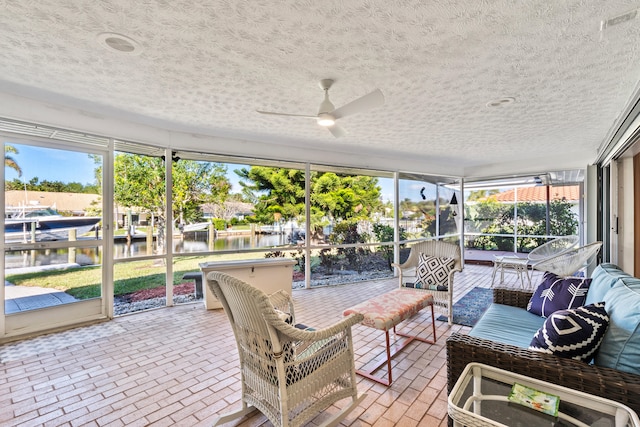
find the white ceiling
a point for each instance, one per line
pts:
(204, 67)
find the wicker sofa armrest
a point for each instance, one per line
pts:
(604, 382)
(511, 297)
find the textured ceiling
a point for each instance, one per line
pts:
(205, 67)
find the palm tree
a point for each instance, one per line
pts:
(9, 160)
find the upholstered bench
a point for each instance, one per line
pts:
(385, 312)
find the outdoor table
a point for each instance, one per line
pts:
(518, 265)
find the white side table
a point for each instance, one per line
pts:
(518, 265)
(479, 398)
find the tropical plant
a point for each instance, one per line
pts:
(384, 233)
(345, 233)
(9, 161)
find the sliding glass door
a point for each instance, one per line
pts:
(53, 235)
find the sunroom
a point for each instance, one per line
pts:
(492, 127)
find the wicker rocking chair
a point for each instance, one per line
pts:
(407, 271)
(288, 373)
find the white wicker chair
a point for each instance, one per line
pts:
(570, 261)
(287, 373)
(443, 300)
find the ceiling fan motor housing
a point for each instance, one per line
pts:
(326, 119)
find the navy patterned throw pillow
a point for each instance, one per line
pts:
(574, 333)
(557, 293)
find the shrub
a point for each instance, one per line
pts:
(219, 224)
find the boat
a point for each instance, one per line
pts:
(186, 228)
(196, 226)
(271, 229)
(22, 222)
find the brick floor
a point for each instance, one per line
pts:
(178, 366)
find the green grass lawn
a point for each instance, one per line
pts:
(84, 282)
(130, 276)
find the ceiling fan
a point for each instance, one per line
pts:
(328, 114)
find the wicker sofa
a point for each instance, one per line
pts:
(611, 383)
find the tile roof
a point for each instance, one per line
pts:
(539, 194)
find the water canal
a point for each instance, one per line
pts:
(190, 242)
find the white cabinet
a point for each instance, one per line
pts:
(267, 274)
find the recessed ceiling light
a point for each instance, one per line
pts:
(500, 102)
(119, 44)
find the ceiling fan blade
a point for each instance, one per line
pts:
(336, 131)
(286, 114)
(372, 100)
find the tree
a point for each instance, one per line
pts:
(384, 233)
(140, 182)
(35, 184)
(97, 172)
(9, 161)
(480, 195)
(345, 197)
(446, 221)
(344, 233)
(491, 217)
(564, 222)
(197, 183)
(279, 192)
(273, 191)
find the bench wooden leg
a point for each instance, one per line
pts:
(396, 349)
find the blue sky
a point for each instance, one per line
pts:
(68, 166)
(52, 165)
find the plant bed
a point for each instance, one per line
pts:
(158, 292)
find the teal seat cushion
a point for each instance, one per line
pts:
(620, 348)
(603, 278)
(507, 325)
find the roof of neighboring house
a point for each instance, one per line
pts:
(65, 202)
(539, 194)
(227, 209)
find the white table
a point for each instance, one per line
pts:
(518, 265)
(485, 387)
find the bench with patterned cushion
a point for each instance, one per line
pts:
(385, 312)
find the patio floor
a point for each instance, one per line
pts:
(179, 366)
